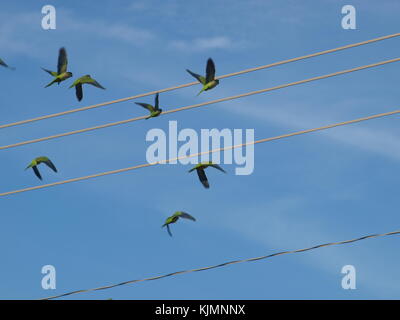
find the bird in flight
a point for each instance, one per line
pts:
(155, 110)
(201, 173)
(2, 63)
(175, 217)
(35, 162)
(209, 80)
(62, 73)
(86, 79)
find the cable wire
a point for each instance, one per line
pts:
(225, 264)
(194, 83)
(375, 116)
(107, 125)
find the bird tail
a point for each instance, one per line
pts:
(200, 92)
(50, 83)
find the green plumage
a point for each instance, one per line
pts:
(175, 217)
(155, 110)
(209, 82)
(86, 79)
(200, 169)
(35, 162)
(62, 73)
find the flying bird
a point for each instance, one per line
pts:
(86, 79)
(2, 63)
(155, 111)
(35, 162)
(62, 73)
(201, 173)
(175, 217)
(209, 80)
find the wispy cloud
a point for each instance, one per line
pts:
(381, 142)
(13, 32)
(280, 225)
(202, 44)
(163, 8)
(101, 29)
(19, 34)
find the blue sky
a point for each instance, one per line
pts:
(311, 189)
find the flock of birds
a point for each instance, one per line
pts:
(208, 82)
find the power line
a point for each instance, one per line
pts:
(107, 125)
(225, 264)
(194, 83)
(375, 116)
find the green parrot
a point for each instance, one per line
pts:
(86, 79)
(175, 217)
(35, 162)
(209, 80)
(155, 111)
(201, 173)
(2, 63)
(61, 73)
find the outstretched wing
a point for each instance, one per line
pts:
(194, 168)
(79, 91)
(62, 61)
(203, 178)
(169, 230)
(200, 78)
(50, 165)
(2, 63)
(36, 171)
(186, 215)
(156, 102)
(54, 74)
(95, 83)
(87, 80)
(217, 167)
(210, 70)
(146, 106)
